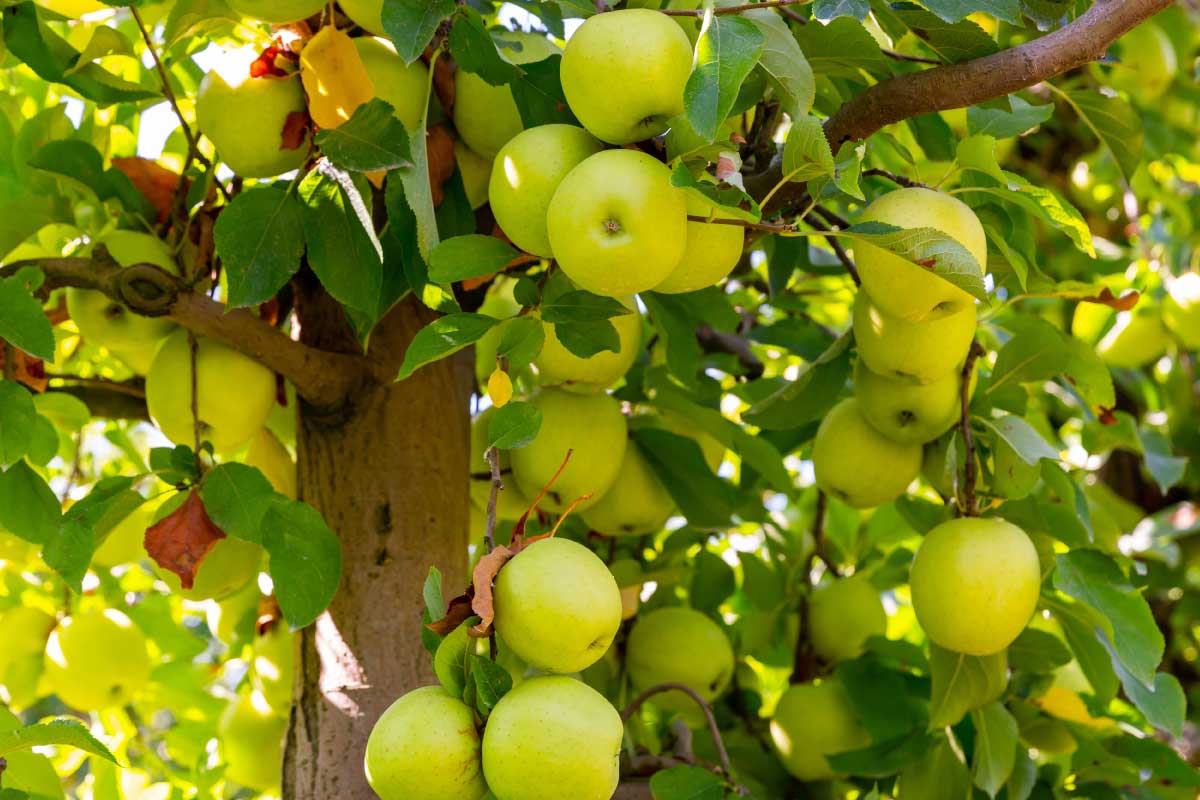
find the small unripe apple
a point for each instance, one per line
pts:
(557, 605)
(476, 173)
(401, 85)
(510, 503)
(277, 12)
(617, 226)
(1012, 477)
(679, 645)
(1148, 62)
(552, 738)
(525, 175)
(268, 455)
(592, 428)
(1181, 309)
(623, 74)
(856, 464)
(842, 615)
(712, 251)
(1138, 338)
(901, 288)
(251, 738)
(910, 413)
(96, 660)
(918, 352)
(814, 720)
(975, 584)
(636, 504)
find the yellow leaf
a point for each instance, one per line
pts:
(500, 388)
(334, 77)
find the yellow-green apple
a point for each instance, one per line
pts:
(510, 503)
(401, 85)
(476, 173)
(251, 738)
(96, 660)
(268, 455)
(628, 574)
(26, 630)
(1090, 320)
(1138, 338)
(589, 426)
(617, 225)
(277, 12)
(245, 118)
(273, 666)
(842, 615)
(1181, 309)
(1148, 62)
(712, 251)
(130, 337)
(910, 413)
(552, 738)
(233, 618)
(14, 549)
(123, 544)
(975, 584)
(558, 366)
(679, 645)
(636, 504)
(426, 745)
(525, 175)
(856, 464)
(1012, 477)
(623, 74)
(235, 394)
(812, 721)
(486, 116)
(918, 352)
(228, 567)
(900, 287)
(557, 605)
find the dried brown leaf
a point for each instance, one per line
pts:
(153, 180)
(183, 538)
(1106, 298)
(458, 611)
(482, 579)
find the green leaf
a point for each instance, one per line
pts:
(1003, 124)
(955, 10)
(1090, 376)
(1120, 129)
(937, 252)
(514, 425)
(1037, 651)
(582, 306)
(372, 139)
(260, 238)
(236, 497)
(470, 256)
(810, 396)
(410, 24)
(1025, 441)
(729, 199)
(521, 339)
(305, 560)
(475, 50)
(1035, 354)
(1044, 202)
(726, 52)
(762, 584)
(953, 42)
(706, 500)
(995, 747)
(492, 682)
(879, 698)
(453, 659)
(712, 582)
(882, 759)
(22, 321)
(586, 339)
(1166, 469)
(1164, 705)
(940, 774)
(188, 17)
(1079, 628)
(783, 62)
(82, 162)
(806, 154)
(442, 337)
(978, 152)
(59, 733)
(539, 95)
(435, 602)
(686, 783)
(842, 48)
(68, 551)
(827, 10)
(17, 414)
(963, 683)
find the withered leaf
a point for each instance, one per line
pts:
(458, 611)
(183, 538)
(29, 370)
(1106, 298)
(295, 130)
(153, 180)
(439, 148)
(485, 573)
(443, 81)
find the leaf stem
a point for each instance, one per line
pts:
(638, 701)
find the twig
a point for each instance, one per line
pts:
(132, 388)
(830, 217)
(638, 701)
(493, 458)
(194, 350)
(787, 12)
(969, 505)
(899, 180)
(838, 249)
(699, 12)
(168, 92)
(907, 57)
(766, 227)
(713, 341)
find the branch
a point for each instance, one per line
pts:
(968, 507)
(107, 402)
(699, 12)
(838, 249)
(899, 180)
(766, 227)
(493, 459)
(713, 341)
(638, 701)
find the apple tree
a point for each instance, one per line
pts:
(572, 399)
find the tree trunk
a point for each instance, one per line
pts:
(389, 474)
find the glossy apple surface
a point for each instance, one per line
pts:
(814, 720)
(96, 660)
(636, 504)
(918, 352)
(679, 645)
(856, 464)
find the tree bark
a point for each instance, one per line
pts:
(388, 472)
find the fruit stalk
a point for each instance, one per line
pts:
(969, 505)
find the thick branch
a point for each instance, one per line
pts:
(107, 402)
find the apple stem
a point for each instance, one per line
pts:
(968, 505)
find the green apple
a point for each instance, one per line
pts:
(628, 574)
(525, 175)
(96, 660)
(679, 645)
(918, 352)
(814, 720)
(936, 472)
(1181, 309)
(277, 12)
(623, 74)
(476, 173)
(1012, 477)
(1138, 338)
(486, 116)
(842, 615)
(132, 338)
(902, 288)
(426, 745)
(1148, 62)
(617, 225)
(552, 738)
(26, 630)
(589, 426)
(636, 504)
(711, 253)
(510, 503)
(235, 394)
(245, 118)
(233, 619)
(1090, 320)
(268, 455)
(558, 366)
(856, 464)
(124, 543)
(909, 413)
(500, 303)
(14, 549)
(228, 567)
(557, 605)
(975, 584)
(251, 738)
(403, 86)
(273, 666)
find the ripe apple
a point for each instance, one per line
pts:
(623, 74)
(558, 366)
(245, 118)
(856, 464)
(525, 175)
(401, 85)
(636, 504)
(96, 660)
(277, 12)
(617, 225)
(842, 615)
(1138, 338)
(476, 173)
(425, 745)
(918, 352)
(132, 338)
(486, 116)
(1181, 309)
(273, 666)
(552, 738)
(251, 738)
(712, 251)
(814, 720)
(228, 567)
(679, 645)
(557, 605)
(975, 584)
(909, 413)
(268, 455)
(123, 544)
(235, 393)
(233, 618)
(590, 427)
(901, 288)
(510, 503)
(1148, 62)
